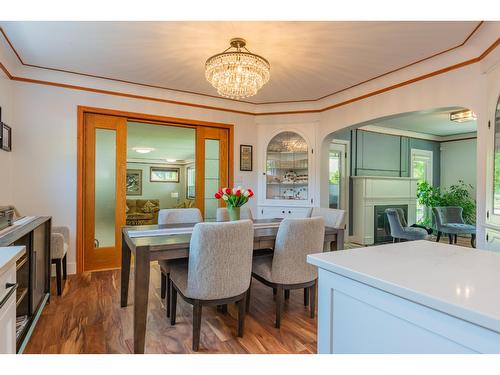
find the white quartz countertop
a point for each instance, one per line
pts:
(455, 280)
(9, 255)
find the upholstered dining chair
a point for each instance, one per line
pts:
(334, 218)
(59, 244)
(218, 271)
(399, 228)
(287, 268)
(449, 220)
(174, 216)
(223, 214)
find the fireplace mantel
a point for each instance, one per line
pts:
(371, 191)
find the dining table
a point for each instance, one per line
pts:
(150, 243)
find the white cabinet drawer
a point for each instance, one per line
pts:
(8, 311)
(8, 277)
(281, 212)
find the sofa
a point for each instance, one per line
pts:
(142, 211)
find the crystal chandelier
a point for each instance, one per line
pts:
(237, 73)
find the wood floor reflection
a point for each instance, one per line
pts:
(87, 318)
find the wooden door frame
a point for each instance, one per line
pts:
(131, 116)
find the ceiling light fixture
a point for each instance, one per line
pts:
(143, 150)
(463, 116)
(237, 73)
(171, 160)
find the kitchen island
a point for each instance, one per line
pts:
(410, 297)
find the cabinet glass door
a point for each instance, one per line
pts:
(287, 173)
(496, 177)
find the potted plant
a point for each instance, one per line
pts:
(456, 195)
(234, 198)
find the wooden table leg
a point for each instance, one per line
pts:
(338, 244)
(125, 272)
(141, 292)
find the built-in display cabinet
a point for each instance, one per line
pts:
(286, 183)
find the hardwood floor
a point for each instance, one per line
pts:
(87, 318)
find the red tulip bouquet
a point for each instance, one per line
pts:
(234, 198)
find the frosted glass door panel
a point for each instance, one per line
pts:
(105, 183)
(334, 179)
(212, 177)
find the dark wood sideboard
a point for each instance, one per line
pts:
(33, 273)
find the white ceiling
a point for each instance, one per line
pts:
(169, 142)
(433, 122)
(308, 59)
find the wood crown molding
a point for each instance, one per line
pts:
(208, 107)
(11, 45)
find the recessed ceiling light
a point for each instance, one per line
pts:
(463, 116)
(171, 160)
(143, 150)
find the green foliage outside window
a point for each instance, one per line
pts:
(334, 178)
(456, 195)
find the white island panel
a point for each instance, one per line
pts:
(413, 297)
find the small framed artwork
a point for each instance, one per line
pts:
(134, 181)
(6, 137)
(246, 158)
(163, 174)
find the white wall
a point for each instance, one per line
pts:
(6, 102)
(458, 162)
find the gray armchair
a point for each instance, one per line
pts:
(399, 229)
(449, 221)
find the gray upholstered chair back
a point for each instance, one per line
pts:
(333, 218)
(402, 218)
(395, 223)
(296, 239)
(448, 215)
(220, 260)
(179, 215)
(223, 214)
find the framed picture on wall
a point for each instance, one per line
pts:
(134, 182)
(246, 158)
(6, 137)
(163, 174)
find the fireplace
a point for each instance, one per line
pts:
(381, 228)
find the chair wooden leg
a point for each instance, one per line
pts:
(313, 300)
(287, 294)
(173, 305)
(456, 237)
(306, 296)
(279, 302)
(274, 291)
(473, 240)
(241, 316)
(247, 302)
(163, 285)
(196, 325)
(65, 267)
(450, 238)
(168, 286)
(223, 309)
(58, 276)
(438, 236)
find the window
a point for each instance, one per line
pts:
(160, 174)
(421, 168)
(190, 181)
